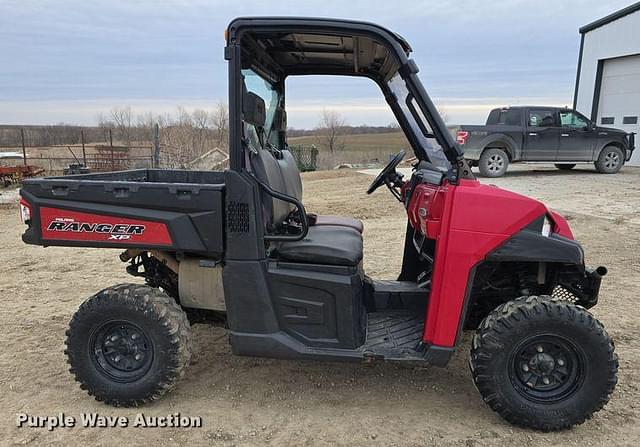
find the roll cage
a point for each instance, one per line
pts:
(277, 47)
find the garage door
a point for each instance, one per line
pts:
(619, 105)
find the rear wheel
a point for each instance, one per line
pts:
(493, 163)
(543, 363)
(610, 160)
(128, 344)
(565, 166)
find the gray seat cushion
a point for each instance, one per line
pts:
(340, 221)
(325, 244)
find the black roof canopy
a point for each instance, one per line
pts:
(289, 46)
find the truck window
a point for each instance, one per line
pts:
(509, 117)
(541, 118)
(572, 120)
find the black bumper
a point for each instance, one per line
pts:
(631, 139)
(589, 289)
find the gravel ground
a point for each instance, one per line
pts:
(246, 401)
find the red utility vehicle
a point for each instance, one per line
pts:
(238, 247)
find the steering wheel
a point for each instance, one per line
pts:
(386, 176)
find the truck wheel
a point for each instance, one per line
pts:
(543, 363)
(493, 163)
(128, 344)
(610, 160)
(564, 166)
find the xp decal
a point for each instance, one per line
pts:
(59, 224)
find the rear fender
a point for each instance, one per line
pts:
(501, 140)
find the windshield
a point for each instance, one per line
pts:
(418, 123)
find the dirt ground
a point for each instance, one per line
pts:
(247, 401)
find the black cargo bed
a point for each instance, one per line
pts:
(162, 189)
(190, 203)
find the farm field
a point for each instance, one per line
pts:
(358, 148)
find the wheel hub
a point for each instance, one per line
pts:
(546, 369)
(611, 160)
(495, 163)
(542, 364)
(122, 351)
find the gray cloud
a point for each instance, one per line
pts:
(59, 59)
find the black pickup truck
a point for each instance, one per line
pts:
(542, 134)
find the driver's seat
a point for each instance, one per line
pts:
(325, 243)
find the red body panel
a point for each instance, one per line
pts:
(468, 221)
(59, 224)
(561, 226)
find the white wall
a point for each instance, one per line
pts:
(615, 39)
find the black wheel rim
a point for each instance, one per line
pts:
(547, 368)
(121, 351)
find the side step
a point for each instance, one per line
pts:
(394, 335)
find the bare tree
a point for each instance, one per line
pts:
(220, 122)
(331, 130)
(123, 121)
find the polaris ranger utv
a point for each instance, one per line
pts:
(239, 246)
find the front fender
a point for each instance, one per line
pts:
(612, 142)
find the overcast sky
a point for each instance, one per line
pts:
(66, 61)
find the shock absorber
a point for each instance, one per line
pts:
(525, 278)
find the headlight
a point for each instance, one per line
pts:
(546, 227)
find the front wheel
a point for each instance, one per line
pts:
(543, 363)
(493, 163)
(610, 160)
(128, 344)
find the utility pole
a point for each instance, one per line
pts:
(24, 149)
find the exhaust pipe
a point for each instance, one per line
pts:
(601, 271)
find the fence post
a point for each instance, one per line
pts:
(84, 154)
(24, 150)
(113, 163)
(156, 145)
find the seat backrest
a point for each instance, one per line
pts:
(263, 164)
(290, 174)
(286, 160)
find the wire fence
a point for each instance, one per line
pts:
(176, 147)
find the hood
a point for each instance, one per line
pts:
(611, 130)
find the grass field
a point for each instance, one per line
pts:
(358, 148)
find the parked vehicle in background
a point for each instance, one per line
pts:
(543, 134)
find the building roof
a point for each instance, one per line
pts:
(610, 18)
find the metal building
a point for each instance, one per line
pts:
(608, 78)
